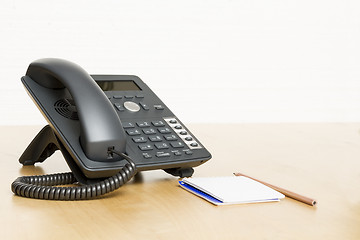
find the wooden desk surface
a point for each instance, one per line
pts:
(318, 160)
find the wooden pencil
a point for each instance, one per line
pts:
(287, 193)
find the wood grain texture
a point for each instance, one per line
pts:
(318, 160)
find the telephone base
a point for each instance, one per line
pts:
(44, 145)
(180, 172)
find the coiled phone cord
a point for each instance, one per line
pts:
(43, 186)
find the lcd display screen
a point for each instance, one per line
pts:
(118, 86)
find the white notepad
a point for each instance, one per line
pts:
(230, 190)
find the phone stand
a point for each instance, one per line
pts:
(46, 143)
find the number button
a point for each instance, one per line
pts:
(143, 124)
(145, 147)
(171, 137)
(128, 125)
(161, 146)
(133, 132)
(177, 144)
(158, 123)
(155, 138)
(149, 131)
(139, 139)
(164, 130)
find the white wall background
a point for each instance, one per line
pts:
(209, 61)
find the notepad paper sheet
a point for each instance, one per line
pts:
(230, 190)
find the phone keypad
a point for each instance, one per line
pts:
(161, 138)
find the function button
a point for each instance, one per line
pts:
(183, 132)
(133, 132)
(188, 139)
(172, 121)
(161, 145)
(188, 152)
(164, 130)
(131, 106)
(143, 124)
(158, 123)
(171, 137)
(129, 96)
(178, 127)
(144, 106)
(163, 154)
(119, 107)
(128, 125)
(177, 144)
(155, 138)
(117, 96)
(146, 155)
(149, 131)
(139, 139)
(158, 107)
(177, 153)
(194, 144)
(139, 96)
(145, 147)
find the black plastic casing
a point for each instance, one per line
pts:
(69, 130)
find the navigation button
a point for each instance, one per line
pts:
(144, 106)
(146, 155)
(163, 154)
(131, 106)
(119, 107)
(158, 107)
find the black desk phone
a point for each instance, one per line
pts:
(108, 128)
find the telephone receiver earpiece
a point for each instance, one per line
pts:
(100, 126)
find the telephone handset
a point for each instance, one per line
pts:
(108, 127)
